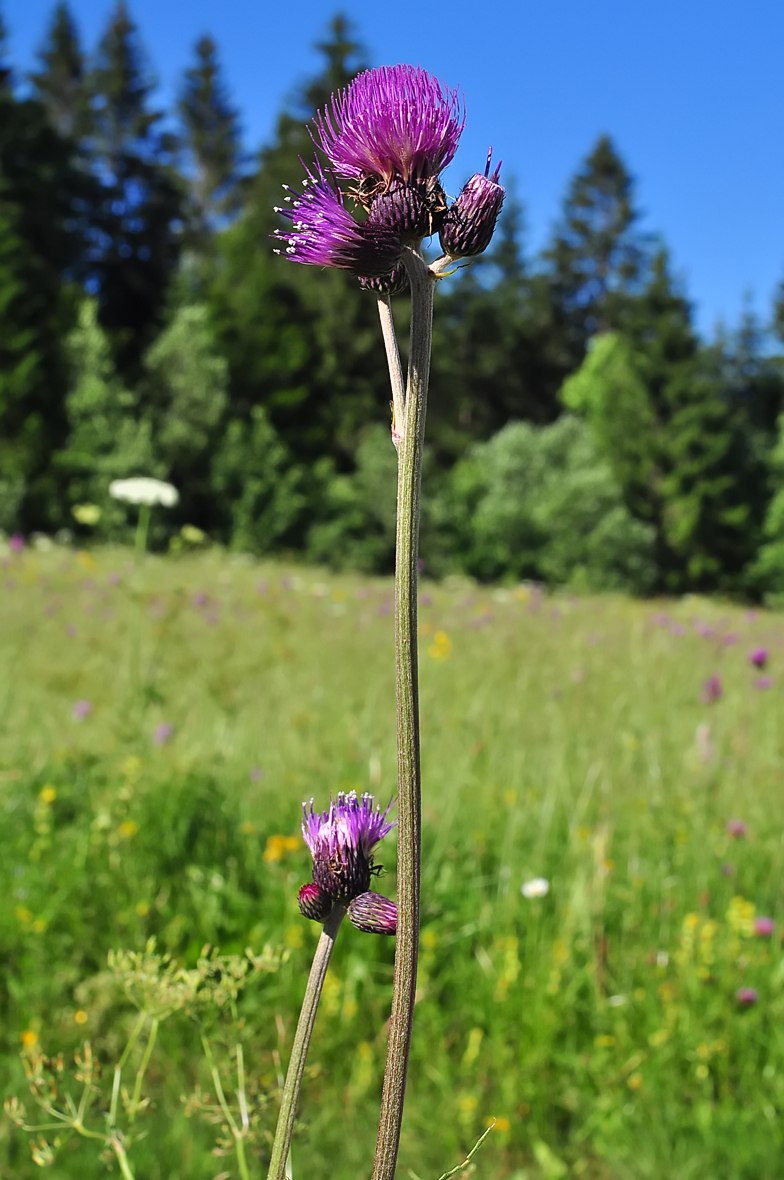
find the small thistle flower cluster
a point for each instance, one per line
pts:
(341, 841)
(390, 134)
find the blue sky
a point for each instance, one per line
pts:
(692, 92)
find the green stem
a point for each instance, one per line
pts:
(299, 1050)
(142, 529)
(407, 691)
(229, 1117)
(137, 1089)
(395, 368)
(122, 1158)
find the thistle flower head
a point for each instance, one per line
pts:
(758, 658)
(373, 913)
(469, 222)
(341, 841)
(324, 233)
(392, 122)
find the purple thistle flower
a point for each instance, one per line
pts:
(764, 927)
(469, 223)
(373, 913)
(162, 733)
(392, 123)
(746, 996)
(736, 828)
(712, 690)
(324, 233)
(341, 841)
(758, 657)
(81, 710)
(16, 543)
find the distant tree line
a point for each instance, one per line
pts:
(579, 430)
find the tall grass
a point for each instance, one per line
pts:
(563, 738)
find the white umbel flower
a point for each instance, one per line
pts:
(142, 489)
(537, 887)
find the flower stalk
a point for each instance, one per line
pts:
(422, 282)
(299, 1050)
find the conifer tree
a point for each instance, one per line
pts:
(303, 345)
(60, 83)
(212, 135)
(137, 240)
(676, 441)
(41, 245)
(597, 256)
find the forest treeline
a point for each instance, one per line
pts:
(579, 430)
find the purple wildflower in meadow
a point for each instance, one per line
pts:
(736, 828)
(81, 710)
(758, 658)
(764, 927)
(341, 841)
(162, 733)
(392, 131)
(389, 123)
(730, 638)
(113, 578)
(746, 996)
(16, 543)
(661, 620)
(678, 630)
(199, 600)
(763, 682)
(71, 629)
(712, 690)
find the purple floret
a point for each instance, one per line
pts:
(392, 122)
(324, 233)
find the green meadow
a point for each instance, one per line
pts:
(162, 724)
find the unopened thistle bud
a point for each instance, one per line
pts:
(314, 904)
(373, 913)
(395, 283)
(470, 221)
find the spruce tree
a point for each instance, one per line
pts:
(43, 195)
(675, 439)
(597, 257)
(304, 345)
(212, 136)
(136, 244)
(60, 83)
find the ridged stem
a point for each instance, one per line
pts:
(299, 1050)
(407, 691)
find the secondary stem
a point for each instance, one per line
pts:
(299, 1050)
(407, 691)
(395, 367)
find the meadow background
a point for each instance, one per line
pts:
(162, 724)
(602, 548)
